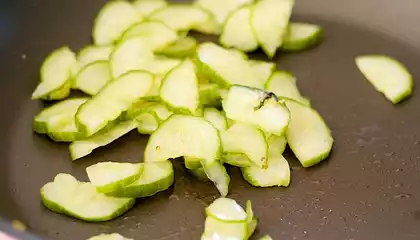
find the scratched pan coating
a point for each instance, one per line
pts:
(368, 189)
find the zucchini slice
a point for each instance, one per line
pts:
(221, 9)
(277, 173)
(112, 236)
(237, 32)
(148, 7)
(276, 145)
(116, 97)
(110, 176)
(56, 74)
(183, 135)
(183, 99)
(227, 210)
(80, 200)
(93, 77)
(308, 136)
(210, 95)
(156, 177)
(131, 54)
(225, 67)
(183, 47)
(218, 229)
(217, 173)
(199, 173)
(156, 34)
(270, 20)
(147, 123)
(283, 84)
(387, 75)
(254, 106)
(92, 54)
(81, 148)
(112, 21)
(301, 36)
(263, 69)
(216, 117)
(246, 139)
(237, 159)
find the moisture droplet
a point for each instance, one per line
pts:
(399, 170)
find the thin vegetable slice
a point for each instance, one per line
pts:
(387, 75)
(225, 67)
(277, 173)
(248, 140)
(112, 21)
(93, 53)
(56, 74)
(254, 106)
(308, 136)
(192, 163)
(131, 54)
(218, 229)
(156, 34)
(183, 47)
(199, 173)
(217, 173)
(210, 95)
(185, 99)
(237, 159)
(181, 17)
(183, 135)
(156, 177)
(217, 118)
(57, 116)
(80, 200)
(270, 20)
(67, 133)
(251, 219)
(93, 77)
(157, 109)
(301, 36)
(276, 145)
(147, 123)
(81, 148)
(263, 69)
(266, 237)
(222, 8)
(237, 31)
(113, 236)
(112, 100)
(110, 176)
(283, 84)
(227, 210)
(147, 7)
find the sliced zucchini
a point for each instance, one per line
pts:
(161, 66)
(218, 229)
(217, 118)
(80, 200)
(199, 173)
(276, 145)
(112, 21)
(116, 97)
(56, 74)
(192, 17)
(67, 133)
(159, 110)
(283, 84)
(237, 159)
(277, 173)
(308, 136)
(266, 237)
(254, 106)
(93, 53)
(147, 123)
(210, 95)
(225, 67)
(131, 54)
(156, 34)
(251, 219)
(183, 99)
(248, 140)
(264, 69)
(93, 77)
(301, 36)
(222, 8)
(183, 135)
(217, 173)
(183, 47)
(237, 31)
(270, 20)
(81, 148)
(156, 177)
(387, 75)
(192, 163)
(111, 176)
(113, 236)
(147, 7)
(57, 116)
(227, 210)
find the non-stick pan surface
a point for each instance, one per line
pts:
(368, 189)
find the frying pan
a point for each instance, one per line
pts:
(368, 189)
